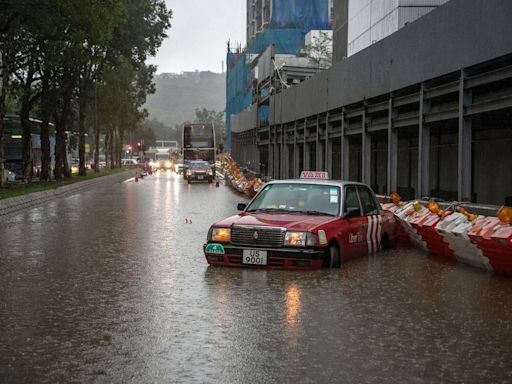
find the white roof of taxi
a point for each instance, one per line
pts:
(337, 183)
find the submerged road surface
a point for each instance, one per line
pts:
(112, 286)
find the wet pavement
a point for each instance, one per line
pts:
(112, 286)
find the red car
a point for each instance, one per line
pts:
(302, 224)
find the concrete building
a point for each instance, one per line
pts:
(372, 20)
(426, 111)
(278, 25)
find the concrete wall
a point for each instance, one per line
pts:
(471, 31)
(448, 72)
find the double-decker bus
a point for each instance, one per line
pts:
(198, 143)
(13, 135)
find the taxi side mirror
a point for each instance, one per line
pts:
(352, 212)
(241, 206)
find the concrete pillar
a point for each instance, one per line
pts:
(307, 166)
(344, 149)
(392, 151)
(366, 151)
(270, 166)
(319, 151)
(295, 152)
(328, 147)
(465, 143)
(423, 188)
(284, 152)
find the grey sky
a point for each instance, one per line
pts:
(199, 32)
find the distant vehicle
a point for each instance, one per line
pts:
(10, 176)
(179, 168)
(13, 135)
(163, 154)
(129, 162)
(162, 161)
(75, 165)
(199, 144)
(199, 171)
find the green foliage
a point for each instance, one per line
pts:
(83, 61)
(163, 131)
(319, 51)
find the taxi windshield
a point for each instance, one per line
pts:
(304, 198)
(199, 165)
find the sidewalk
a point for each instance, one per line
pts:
(29, 200)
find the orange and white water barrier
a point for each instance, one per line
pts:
(456, 234)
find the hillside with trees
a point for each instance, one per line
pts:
(178, 96)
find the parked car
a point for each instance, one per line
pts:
(129, 162)
(179, 168)
(199, 171)
(302, 224)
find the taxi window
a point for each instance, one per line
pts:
(367, 201)
(306, 198)
(351, 199)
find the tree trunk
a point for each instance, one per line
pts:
(81, 137)
(58, 170)
(107, 146)
(96, 133)
(5, 87)
(111, 148)
(26, 142)
(45, 134)
(60, 134)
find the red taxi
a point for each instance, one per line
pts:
(306, 223)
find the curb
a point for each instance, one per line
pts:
(14, 204)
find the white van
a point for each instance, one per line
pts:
(129, 162)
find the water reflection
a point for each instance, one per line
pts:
(112, 286)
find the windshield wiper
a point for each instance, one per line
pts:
(317, 213)
(269, 210)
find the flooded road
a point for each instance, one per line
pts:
(112, 286)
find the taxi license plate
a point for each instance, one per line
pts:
(254, 257)
(200, 177)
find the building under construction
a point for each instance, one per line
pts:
(425, 111)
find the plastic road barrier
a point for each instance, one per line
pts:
(404, 219)
(494, 238)
(454, 230)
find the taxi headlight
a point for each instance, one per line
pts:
(222, 235)
(167, 164)
(299, 239)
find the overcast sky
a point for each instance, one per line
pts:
(199, 32)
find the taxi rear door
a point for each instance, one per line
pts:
(373, 219)
(356, 225)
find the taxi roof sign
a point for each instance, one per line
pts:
(319, 175)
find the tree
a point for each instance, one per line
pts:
(62, 52)
(319, 51)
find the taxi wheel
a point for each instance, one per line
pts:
(189, 181)
(385, 243)
(333, 258)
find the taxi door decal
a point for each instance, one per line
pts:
(373, 233)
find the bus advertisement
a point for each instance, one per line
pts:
(198, 143)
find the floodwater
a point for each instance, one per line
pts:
(111, 286)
